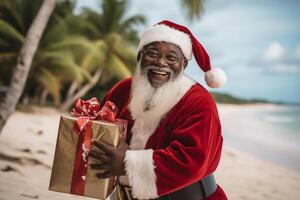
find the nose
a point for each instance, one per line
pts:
(162, 62)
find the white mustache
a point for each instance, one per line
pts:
(156, 68)
(153, 67)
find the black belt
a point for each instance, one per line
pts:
(196, 191)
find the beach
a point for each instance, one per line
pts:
(28, 140)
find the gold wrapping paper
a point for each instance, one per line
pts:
(65, 151)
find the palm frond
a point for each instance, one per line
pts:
(92, 23)
(63, 64)
(132, 21)
(74, 41)
(55, 33)
(122, 49)
(49, 81)
(91, 61)
(117, 67)
(8, 31)
(129, 26)
(193, 8)
(113, 13)
(4, 44)
(10, 13)
(4, 56)
(85, 74)
(26, 11)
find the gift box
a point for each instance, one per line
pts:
(69, 172)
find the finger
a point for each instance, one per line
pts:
(99, 166)
(98, 161)
(103, 146)
(97, 150)
(99, 157)
(104, 175)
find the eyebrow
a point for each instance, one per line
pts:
(172, 51)
(154, 48)
(151, 48)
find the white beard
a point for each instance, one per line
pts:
(161, 101)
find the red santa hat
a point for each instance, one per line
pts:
(181, 36)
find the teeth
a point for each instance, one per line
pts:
(159, 72)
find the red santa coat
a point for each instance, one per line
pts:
(184, 148)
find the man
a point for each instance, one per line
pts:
(174, 132)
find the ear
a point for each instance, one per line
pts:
(138, 56)
(185, 63)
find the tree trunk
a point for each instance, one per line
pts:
(24, 61)
(43, 98)
(72, 89)
(82, 91)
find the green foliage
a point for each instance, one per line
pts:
(50, 82)
(10, 33)
(193, 8)
(72, 47)
(227, 98)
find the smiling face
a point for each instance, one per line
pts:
(161, 62)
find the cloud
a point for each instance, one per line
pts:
(248, 39)
(274, 52)
(283, 68)
(275, 59)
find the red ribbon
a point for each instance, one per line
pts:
(86, 111)
(91, 109)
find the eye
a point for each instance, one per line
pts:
(151, 54)
(171, 58)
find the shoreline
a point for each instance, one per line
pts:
(27, 148)
(245, 176)
(254, 135)
(282, 157)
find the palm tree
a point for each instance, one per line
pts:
(114, 35)
(54, 63)
(193, 8)
(67, 63)
(24, 61)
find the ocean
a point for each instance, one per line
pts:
(271, 132)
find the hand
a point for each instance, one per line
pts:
(107, 159)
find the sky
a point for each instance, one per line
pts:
(257, 43)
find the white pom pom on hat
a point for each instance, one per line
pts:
(181, 36)
(215, 77)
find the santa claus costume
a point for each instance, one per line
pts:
(177, 141)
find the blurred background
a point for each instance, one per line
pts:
(89, 45)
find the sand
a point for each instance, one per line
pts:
(27, 147)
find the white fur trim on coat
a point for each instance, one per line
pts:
(161, 32)
(139, 166)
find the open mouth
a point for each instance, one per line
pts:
(158, 77)
(159, 73)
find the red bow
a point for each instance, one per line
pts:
(91, 109)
